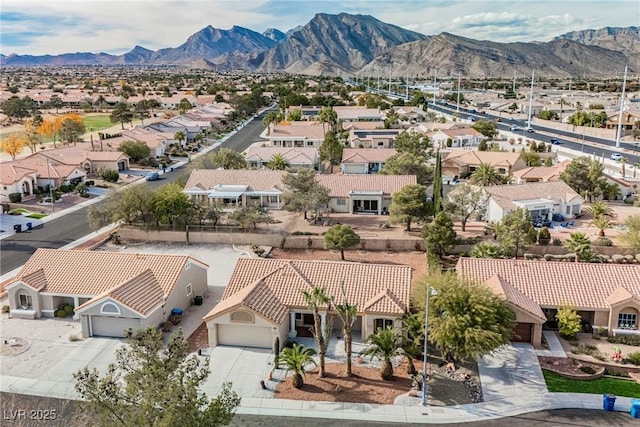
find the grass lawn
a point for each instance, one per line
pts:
(556, 383)
(17, 211)
(36, 215)
(97, 122)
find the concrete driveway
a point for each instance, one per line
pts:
(513, 371)
(244, 367)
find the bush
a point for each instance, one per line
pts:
(587, 369)
(569, 322)
(6, 309)
(110, 175)
(556, 242)
(65, 188)
(625, 339)
(603, 241)
(15, 197)
(90, 183)
(634, 358)
(544, 236)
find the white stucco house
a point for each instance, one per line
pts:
(109, 291)
(263, 303)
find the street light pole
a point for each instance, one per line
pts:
(425, 392)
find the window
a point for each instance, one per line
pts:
(502, 171)
(341, 202)
(189, 289)
(568, 210)
(242, 316)
(382, 323)
(273, 199)
(25, 301)
(109, 308)
(187, 266)
(627, 320)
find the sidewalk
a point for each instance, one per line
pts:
(555, 348)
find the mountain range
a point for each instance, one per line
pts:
(344, 43)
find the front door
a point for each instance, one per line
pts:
(307, 319)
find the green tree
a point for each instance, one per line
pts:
(548, 115)
(142, 110)
(15, 108)
(409, 204)
(514, 232)
(278, 162)
(331, 149)
(295, 359)
(384, 344)
(584, 176)
(121, 114)
(169, 204)
(409, 164)
(329, 116)
(303, 193)
(151, 384)
(413, 334)
(631, 237)
(486, 175)
(569, 321)
(270, 118)
(250, 216)
(439, 236)
(413, 142)
(348, 313)
(134, 205)
(184, 105)
(544, 236)
(136, 150)
(340, 237)
(437, 185)
(531, 158)
(487, 128)
(466, 319)
(315, 299)
(71, 131)
(227, 158)
(578, 244)
(294, 115)
(464, 201)
(599, 209)
(180, 136)
(55, 102)
(486, 250)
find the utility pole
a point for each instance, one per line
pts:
(530, 100)
(619, 132)
(390, 71)
(407, 83)
(458, 106)
(435, 86)
(514, 81)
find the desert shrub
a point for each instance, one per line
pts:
(614, 372)
(603, 241)
(110, 175)
(532, 256)
(75, 337)
(625, 339)
(60, 313)
(569, 321)
(257, 250)
(600, 357)
(587, 369)
(15, 197)
(588, 349)
(556, 242)
(90, 183)
(544, 236)
(6, 309)
(633, 358)
(64, 188)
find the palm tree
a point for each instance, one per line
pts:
(486, 250)
(180, 136)
(601, 223)
(314, 299)
(271, 117)
(295, 359)
(413, 330)
(384, 344)
(392, 118)
(579, 244)
(599, 209)
(278, 163)
(486, 175)
(348, 313)
(327, 115)
(623, 162)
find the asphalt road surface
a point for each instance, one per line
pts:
(17, 249)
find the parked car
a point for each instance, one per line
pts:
(153, 176)
(473, 119)
(554, 141)
(514, 127)
(616, 156)
(558, 217)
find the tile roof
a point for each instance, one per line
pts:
(544, 173)
(79, 272)
(367, 155)
(620, 295)
(551, 283)
(294, 155)
(502, 288)
(458, 132)
(302, 130)
(256, 180)
(341, 185)
(553, 190)
(472, 157)
(273, 286)
(11, 173)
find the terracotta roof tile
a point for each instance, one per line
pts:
(256, 180)
(384, 288)
(619, 295)
(551, 283)
(553, 190)
(501, 287)
(341, 185)
(36, 280)
(367, 155)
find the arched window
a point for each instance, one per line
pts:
(242, 316)
(109, 308)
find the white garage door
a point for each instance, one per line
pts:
(107, 326)
(244, 336)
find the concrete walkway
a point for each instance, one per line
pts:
(555, 348)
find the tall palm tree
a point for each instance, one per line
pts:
(180, 136)
(329, 116)
(295, 359)
(278, 162)
(579, 244)
(384, 344)
(413, 331)
(599, 209)
(623, 162)
(486, 175)
(348, 313)
(314, 300)
(601, 223)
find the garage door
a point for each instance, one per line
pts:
(107, 326)
(244, 336)
(522, 332)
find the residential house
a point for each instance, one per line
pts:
(109, 291)
(541, 199)
(263, 304)
(17, 179)
(605, 295)
(462, 163)
(297, 157)
(359, 114)
(307, 113)
(374, 138)
(540, 173)
(236, 188)
(459, 137)
(363, 194)
(630, 120)
(364, 160)
(295, 134)
(408, 114)
(76, 157)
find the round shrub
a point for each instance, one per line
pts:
(110, 175)
(544, 236)
(633, 358)
(603, 241)
(15, 197)
(60, 313)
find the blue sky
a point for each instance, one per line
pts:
(57, 26)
